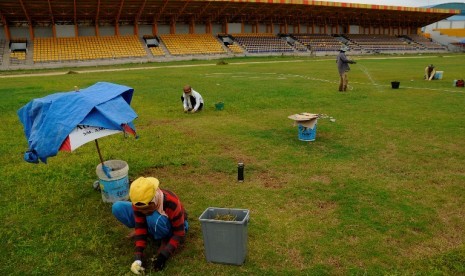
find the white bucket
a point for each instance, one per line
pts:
(115, 188)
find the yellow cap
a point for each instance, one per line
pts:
(143, 190)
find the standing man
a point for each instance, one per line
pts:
(153, 212)
(192, 101)
(343, 67)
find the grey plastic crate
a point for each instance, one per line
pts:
(225, 242)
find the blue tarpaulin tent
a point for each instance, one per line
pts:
(49, 120)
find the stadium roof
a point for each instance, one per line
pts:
(452, 5)
(129, 12)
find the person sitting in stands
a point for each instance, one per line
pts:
(430, 72)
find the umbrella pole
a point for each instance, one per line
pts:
(105, 169)
(98, 150)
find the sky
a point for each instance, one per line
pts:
(404, 3)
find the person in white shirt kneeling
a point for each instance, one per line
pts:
(192, 101)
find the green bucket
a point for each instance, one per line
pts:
(219, 106)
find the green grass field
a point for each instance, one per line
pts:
(380, 192)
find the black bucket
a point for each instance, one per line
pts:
(395, 84)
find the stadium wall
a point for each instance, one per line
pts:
(19, 32)
(444, 24)
(457, 25)
(247, 28)
(106, 30)
(43, 32)
(234, 28)
(216, 29)
(64, 31)
(183, 29)
(199, 29)
(354, 29)
(163, 29)
(145, 30)
(126, 30)
(86, 31)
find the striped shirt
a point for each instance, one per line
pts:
(176, 215)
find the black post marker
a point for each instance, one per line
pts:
(240, 172)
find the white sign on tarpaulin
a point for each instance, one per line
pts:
(83, 134)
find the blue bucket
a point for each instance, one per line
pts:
(438, 75)
(116, 187)
(307, 134)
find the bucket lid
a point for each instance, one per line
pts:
(306, 119)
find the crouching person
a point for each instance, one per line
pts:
(430, 72)
(192, 101)
(152, 212)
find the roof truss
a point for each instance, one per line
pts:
(111, 12)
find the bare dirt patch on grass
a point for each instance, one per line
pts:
(269, 180)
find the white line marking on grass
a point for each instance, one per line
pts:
(373, 82)
(350, 87)
(365, 70)
(433, 89)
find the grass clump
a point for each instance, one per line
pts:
(225, 217)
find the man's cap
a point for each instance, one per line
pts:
(431, 65)
(142, 191)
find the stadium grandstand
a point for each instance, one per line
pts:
(449, 31)
(40, 34)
